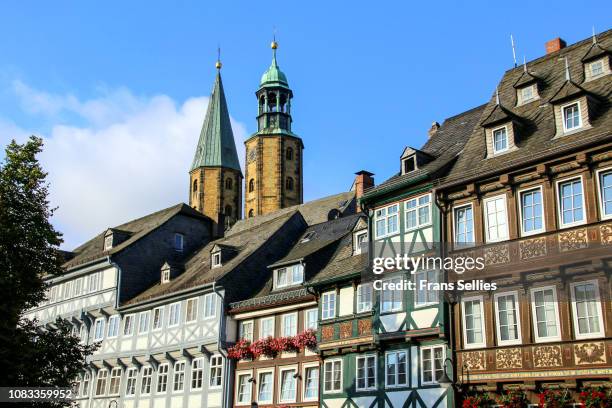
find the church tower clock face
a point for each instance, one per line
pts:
(252, 155)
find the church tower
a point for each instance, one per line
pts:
(273, 164)
(215, 178)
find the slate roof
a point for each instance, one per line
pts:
(136, 229)
(444, 146)
(216, 146)
(536, 139)
(342, 265)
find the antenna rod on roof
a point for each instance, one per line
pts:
(594, 36)
(513, 50)
(567, 71)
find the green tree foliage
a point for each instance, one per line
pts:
(30, 356)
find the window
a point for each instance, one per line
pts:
(496, 223)
(85, 388)
(243, 391)
(571, 203)
(391, 296)
(386, 220)
(332, 376)
(527, 94)
(197, 373)
(128, 325)
(311, 384)
(101, 382)
(361, 242)
(93, 282)
(113, 326)
(191, 314)
(288, 385)
(251, 185)
(245, 330)
(532, 211)
(464, 225)
(147, 376)
(586, 307)
(209, 306)
(289, 324)
(596, 68)
(216, 259)
(424, 295)
(605, 194)
(289, 153)
(162, 378)
(366, 372)
(311, 317)
(216, 369)
(473, 323)
(396, 367)
(115, 381)
(432, 364)
(265, 390)
(508, 322)
(328, 305)
(143, 323)
(289, 276)
(266, 327)
(571, 116)
(130, 388)
(108, 242)
(418, 212)
(545, 315)
(158, 318)
(165, 275)
(195, 185)
(364, 297)
(500, 140)
(178, 242)
(179, 376)
(409, 164)
(289, 184)
(174, 314)
(251, 213)
(229, 183)
(99, 329)
(77, 287)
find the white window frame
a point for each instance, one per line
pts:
(416, 209)
(602, 209)
(362, 306)
(395, 292)
(505, 128)
(315, 326)
(592, 64)
(86, 383)
(560, 204)
(396, 373)
(563, 119)
(128, 323)
(249, 385)
(504, 199)
(178, 316)
(517, 316)
(131, 379)
(216, 367)
(386, 218)
(281, 370)
(356, 247)
(455, 209)
(241, 332)
(289, 271)
(197, 372)
(520, 207)
(261, 324)
(601, 332)
(116, 326)
(160, 320)
(305, 368)
(99, 377)
(194, 309)
(118, 378)
(215, 259)
(333, 361)
(432, 348)
(210, 299)
(147, 320)
(366, 357)
(522, 91)
(146, 380)
(258, 384)
(165, 374)
(100, 336)
(179, 375)
(427, 302)
(295, 316)
(482, 323)
(325, 312)
(548, 339)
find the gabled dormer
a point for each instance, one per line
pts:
(527, 88)
(169, 271)
(596, 62)
(220, 254)
(502, 128)
(412, 159)
(114, 237)
(360, 237)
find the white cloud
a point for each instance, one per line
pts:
(127, 157)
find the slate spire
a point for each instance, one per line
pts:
(216, 146)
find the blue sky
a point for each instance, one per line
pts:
(119, 90)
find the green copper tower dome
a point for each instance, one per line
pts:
(273, 76)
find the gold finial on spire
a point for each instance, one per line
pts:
(274, 44)
(218, 64)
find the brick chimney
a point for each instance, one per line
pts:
(555, 45)
(363, 181)
(433, 129)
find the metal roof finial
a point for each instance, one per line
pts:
(497, 95)
(524, 64)
(567, 71)
(513, 49)
(218, 64)
(594, 36)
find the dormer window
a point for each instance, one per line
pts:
(216, 259)
(165, 275)
(409, 164)
(596, 68)
(178, 242)
(288, 276)
(108, 242)
(527, 94)
(571, 117)
(360, 242)
(500, 140)
(309, 235)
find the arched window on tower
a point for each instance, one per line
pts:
(272, 102)
(289, 153)
(228, 210)
(251, 185)
(289, 184)
(229, 182)
(251, 213)
(195, 185)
